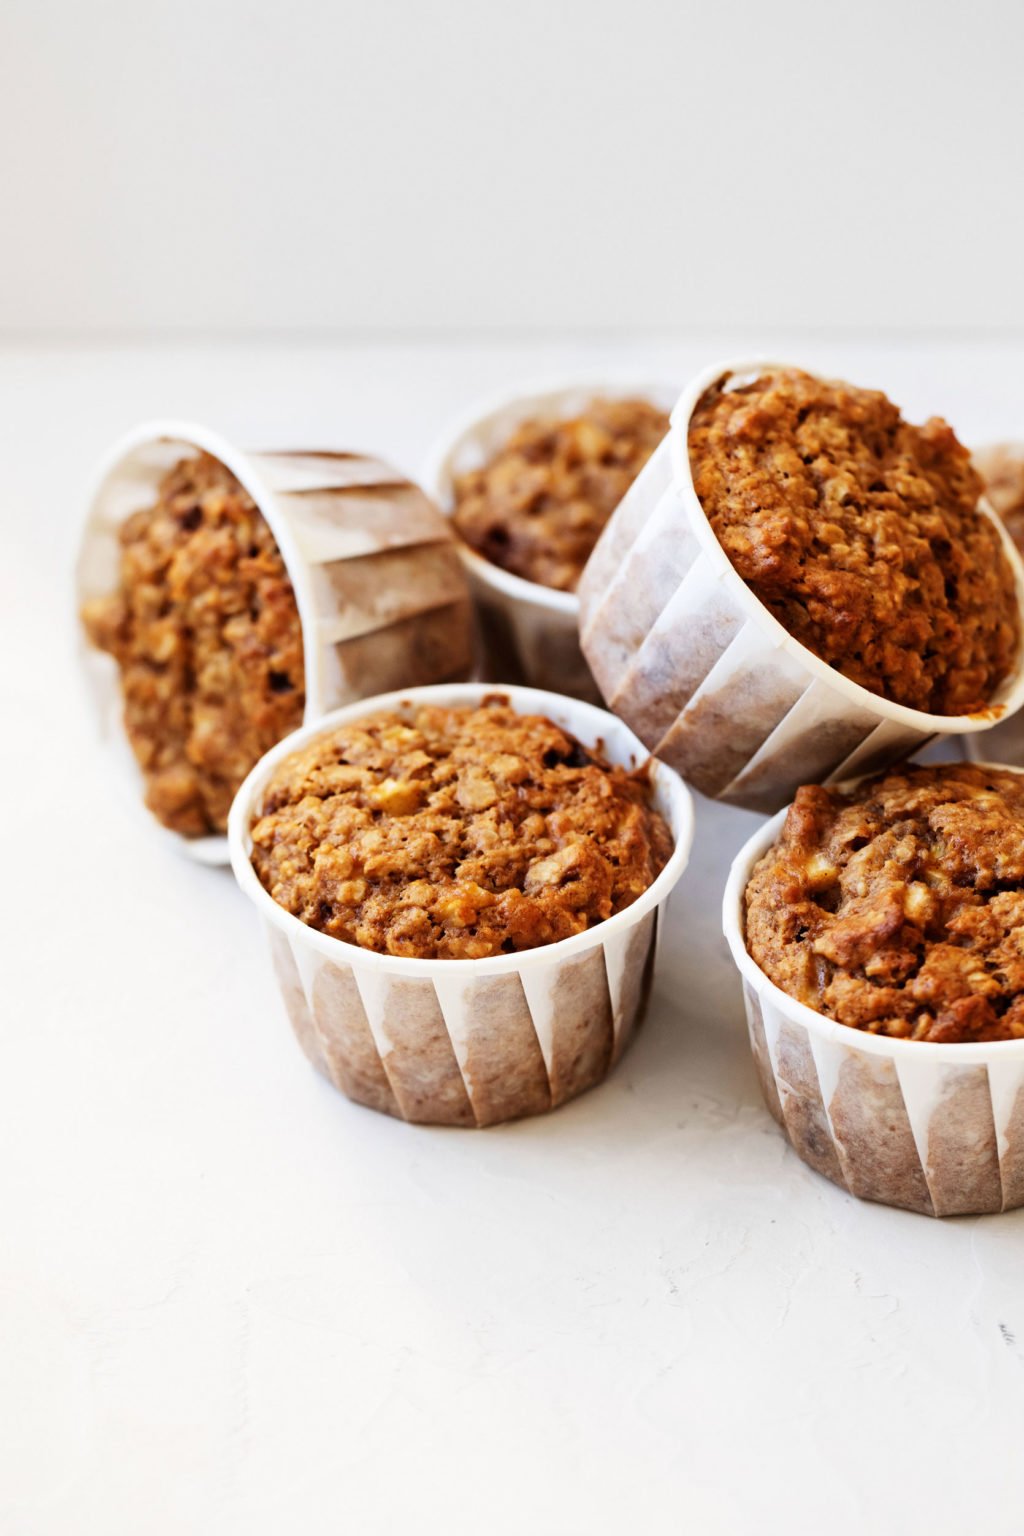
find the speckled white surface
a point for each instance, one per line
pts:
(232, 1302)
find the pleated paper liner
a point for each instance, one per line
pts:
(469, 1042)
(709, 679)
(382, 597)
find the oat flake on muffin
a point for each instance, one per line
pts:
(898, 908)
(204, 627)
(456, 833)
(861, 534)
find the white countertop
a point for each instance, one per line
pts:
(230, 1301)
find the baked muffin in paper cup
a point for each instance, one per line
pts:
(457, 1041)
(381, 595)
(529, 632)
(707, 677)
(928, 1127)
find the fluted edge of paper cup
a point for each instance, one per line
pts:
(469, 1042)
(381, 593)
(533, 630)
(916, 1124)
(707, 677)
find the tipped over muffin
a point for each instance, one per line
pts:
(204, 627)
(861, 533)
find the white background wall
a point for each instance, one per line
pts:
(459, 164)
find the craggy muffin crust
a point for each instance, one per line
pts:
(458, 833)
(861, 534)
(205, 629)
(899, 908)
(1002, 469)
(538, 507)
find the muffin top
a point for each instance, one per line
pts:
(1002, 469)
(899, 908)
(204, 627)
(455, 833)
(861, 534)
(538, 506)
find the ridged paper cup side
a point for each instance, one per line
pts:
(707, 677)
(469, 1042)
(382, 597)
(529, 632)
(910, 1123)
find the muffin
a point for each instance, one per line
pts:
(205, 630)
(459, 833)
(861, 534)
(529, 482)
(226, 597)
(538, 505)
(462, 890)
(1002, 468)
(898, 907)
(877, 929)
(801, 585)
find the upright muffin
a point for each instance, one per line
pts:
(462, 896)
(205, 630)
(877, 930)
(538, 505)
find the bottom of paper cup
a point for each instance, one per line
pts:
(938, 1137)
(922, 1126)
(468, 1050)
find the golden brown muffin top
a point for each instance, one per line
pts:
(899, 908)
(538, 506)
(861, 534)
(455, 833)
(204, 627)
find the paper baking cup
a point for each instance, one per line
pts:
(706, 676)
(468, 1042)
(381, 594)
(1004, 743)
(927, 1127)
(530, 633)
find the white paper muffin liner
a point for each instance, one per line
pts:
(469, 1042)
(382, 597)
(910, 1123)
(529, 632)
(1004, 743)
(707, 676)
